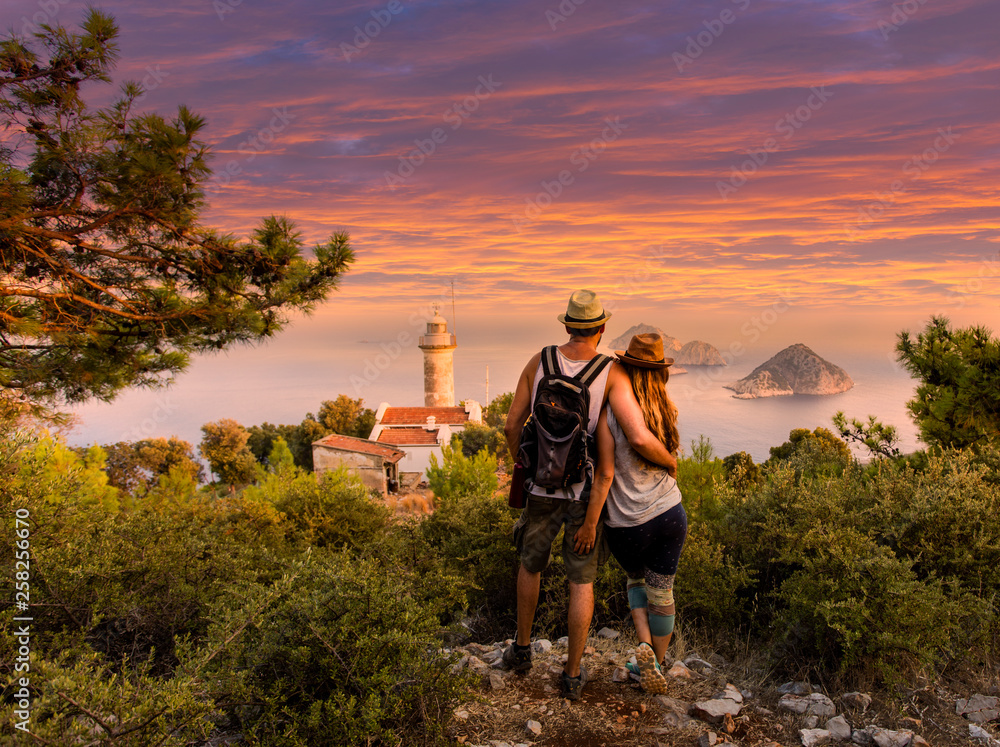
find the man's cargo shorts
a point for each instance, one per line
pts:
(536, 531)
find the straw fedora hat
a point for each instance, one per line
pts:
(584, 311)
(644, 351)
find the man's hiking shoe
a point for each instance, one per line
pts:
(517, 659)
(572, 687)
(650, 677)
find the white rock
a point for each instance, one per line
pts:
(459, 665)
(793, 704)
(889, 738)
(679, 671)
(496, 681)
(839, 728)
(534, 727)
(731, 692)
(979, 708)
(541, 646)
(564, 641)
(796, 688)
(461, 714)
(816, 704)
(978, 732)
(814, 737)
(699, 665)
(607, 633)
(477, 665)
(862, 736)
(715, 711)
(811, 721)
(619, 674)
(492, 656)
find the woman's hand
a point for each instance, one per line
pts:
(584, 539)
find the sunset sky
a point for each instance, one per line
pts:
(599, 144)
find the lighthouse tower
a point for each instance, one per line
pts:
(439, 372)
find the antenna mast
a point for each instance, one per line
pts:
(454, 323)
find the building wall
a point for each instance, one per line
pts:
(439, 378)
(368, 467)
(418, 458)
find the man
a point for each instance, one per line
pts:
(546, 511)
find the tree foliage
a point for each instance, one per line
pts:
(957, 402)
(879, 439)
(346, 416)
(224, 447)
(136, 467)
(495, 413)
(107, 277)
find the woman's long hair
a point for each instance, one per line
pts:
(659, 412)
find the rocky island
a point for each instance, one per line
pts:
(795, 370)
(694, 353)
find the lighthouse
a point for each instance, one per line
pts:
(439, 371)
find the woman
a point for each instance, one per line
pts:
(646, 523)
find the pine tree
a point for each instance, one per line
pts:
(107, 278)
(957, 402)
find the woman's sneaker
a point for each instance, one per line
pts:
(650, 677)
(517, 659)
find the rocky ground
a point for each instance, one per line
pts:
(710, 701)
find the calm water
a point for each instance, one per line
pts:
(282, 382)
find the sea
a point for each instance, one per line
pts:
(281, 383)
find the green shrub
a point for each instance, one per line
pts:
(344, 655)
(459, 475)
(335, 510)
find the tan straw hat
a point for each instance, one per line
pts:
(644, 351)
(584, 311)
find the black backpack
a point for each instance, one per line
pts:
(555, 444)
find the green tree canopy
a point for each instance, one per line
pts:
(957, 402)
(224, 447)
(346, 416)
(107, 277)
(131, 466)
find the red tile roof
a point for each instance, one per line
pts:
(408, 437)
(360, 445)
(419, 415)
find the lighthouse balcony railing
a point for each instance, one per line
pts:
(437, 340)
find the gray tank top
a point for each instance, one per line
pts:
(640, 490)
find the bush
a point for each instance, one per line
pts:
(461, 476)
(341, 654)
(334, 510)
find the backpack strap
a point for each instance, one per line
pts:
(550, 363)
(593, 369)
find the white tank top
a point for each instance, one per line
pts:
(571, 367)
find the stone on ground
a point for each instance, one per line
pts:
(815, 737)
